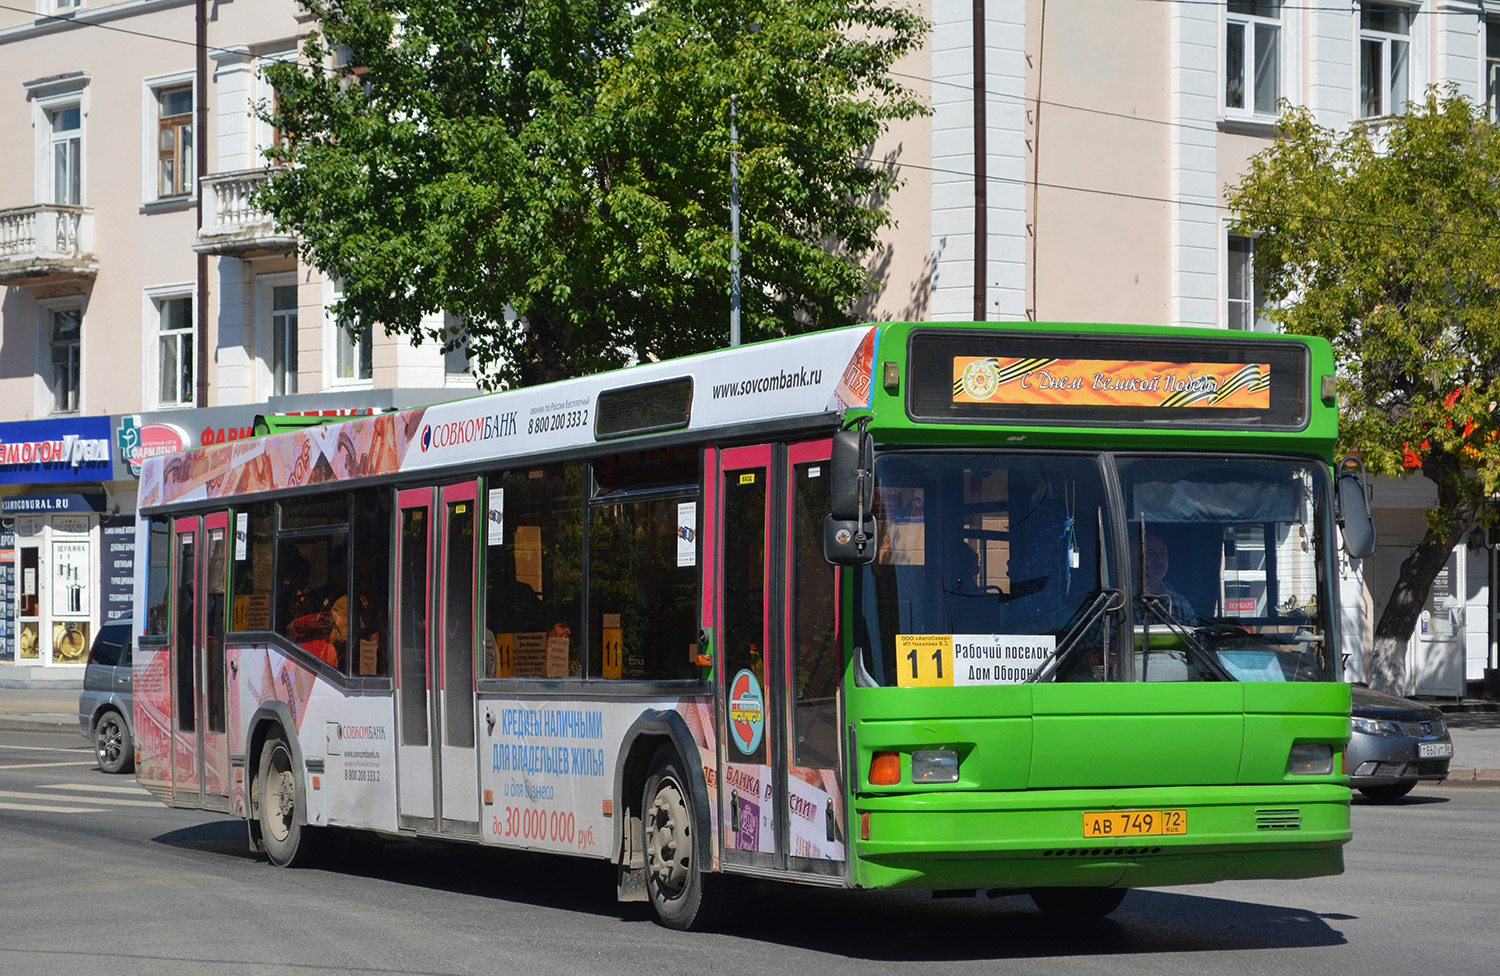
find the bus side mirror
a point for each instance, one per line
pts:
(1352, 501)
(849, 535)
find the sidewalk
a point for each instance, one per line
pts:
(49, 703)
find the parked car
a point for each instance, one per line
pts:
(106, 706)
(1393, 744)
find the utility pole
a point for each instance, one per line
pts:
(734, 221)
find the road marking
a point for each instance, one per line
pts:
(110, 801)
(38, 808)
(89, 788)
(46, 748)
(42, 765)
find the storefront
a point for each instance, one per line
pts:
(55, 509)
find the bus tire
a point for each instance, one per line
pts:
(288, 844)
(1076, 903)
(681, 892)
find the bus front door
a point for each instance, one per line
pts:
(781, 796)
(437, 764)
(200, 757)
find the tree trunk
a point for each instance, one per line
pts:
(1449, 521)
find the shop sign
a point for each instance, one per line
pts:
(76, 449)
(139, 441)
(51, 504)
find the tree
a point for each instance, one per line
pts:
(553, 174)
(1385, 240)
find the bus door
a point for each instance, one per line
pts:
(437, 763)
(200, 757)
(781, 803)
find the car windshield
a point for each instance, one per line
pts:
(1214, 570)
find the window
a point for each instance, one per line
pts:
(533, 549)
(456, 362)
(1244, 302)
(353, 354)
(1492, 68)
(174, 141)
(1252, 56)
(174, 339)
(63, 328)
(283, 362)
(66, 153)
(1384, 59)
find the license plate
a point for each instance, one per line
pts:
(1434, 750)
(1134, 823)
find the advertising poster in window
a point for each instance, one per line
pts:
(7, 590)
(117, 568)
(70, 579)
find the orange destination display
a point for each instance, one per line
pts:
(1110, 382)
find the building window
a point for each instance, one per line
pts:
(174, 141)
(67, 154)
(1244, 303)
(1252, 56)
(457, 364)
(1384, 59)
(283, 340)
(1492, 68)
(64, 326)
(175, 360)
(352, 354)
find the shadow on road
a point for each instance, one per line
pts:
(891, 926)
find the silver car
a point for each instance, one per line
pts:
(1393, 744)
(105, 708)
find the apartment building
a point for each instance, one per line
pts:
(1081, 179)
(103, 107)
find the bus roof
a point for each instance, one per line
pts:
(817, 377)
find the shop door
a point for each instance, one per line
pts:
(781, 802)
(437, 764)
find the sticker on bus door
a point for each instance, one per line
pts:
(970, 660)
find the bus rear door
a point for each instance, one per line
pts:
(780, 794)
(200, 759)
(437, 765)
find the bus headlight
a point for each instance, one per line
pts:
(1310, 759)
(934, 766)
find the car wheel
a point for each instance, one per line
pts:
(112, 744)
(1388, 793)
(682, 893)
(288, 844)
(1078, 902)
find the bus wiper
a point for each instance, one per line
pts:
(1103, 603)
(1158, 605)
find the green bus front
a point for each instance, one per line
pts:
(1096, 644)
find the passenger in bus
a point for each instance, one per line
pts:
(1169, 600)
(295, 571)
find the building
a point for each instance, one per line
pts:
(1084, 182)
(1087, 184)
(113, 340)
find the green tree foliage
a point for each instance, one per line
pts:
(1385, 240)
(554, 173)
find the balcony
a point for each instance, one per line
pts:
(46, 242)
(232, 224)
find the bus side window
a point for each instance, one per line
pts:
(533, 553)
(642, 600)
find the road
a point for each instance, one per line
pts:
(96, 877)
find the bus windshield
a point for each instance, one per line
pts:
(1016, 560)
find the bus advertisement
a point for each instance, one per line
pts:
(1025, 608)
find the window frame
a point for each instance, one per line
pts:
(344, 349)
(266, 329)
(48, 98)
(155, 299)
(1387, 40)
(1492, 67)
(46, 321)
(1251, 23)
(151, 91)
(1257, 321)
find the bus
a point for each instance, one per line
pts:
(1023, 608)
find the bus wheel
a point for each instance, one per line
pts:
(680, 892)
(1078, 902)
(288, 843)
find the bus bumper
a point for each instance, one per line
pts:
(1035, 838)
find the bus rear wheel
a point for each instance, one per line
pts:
(681, 893)
(288, 843)
(1078, 902)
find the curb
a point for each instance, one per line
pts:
(38, 725)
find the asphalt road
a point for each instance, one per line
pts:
(96, 877)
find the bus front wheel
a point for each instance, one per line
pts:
(287, 842)
(1078, 902)
(680, 891)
